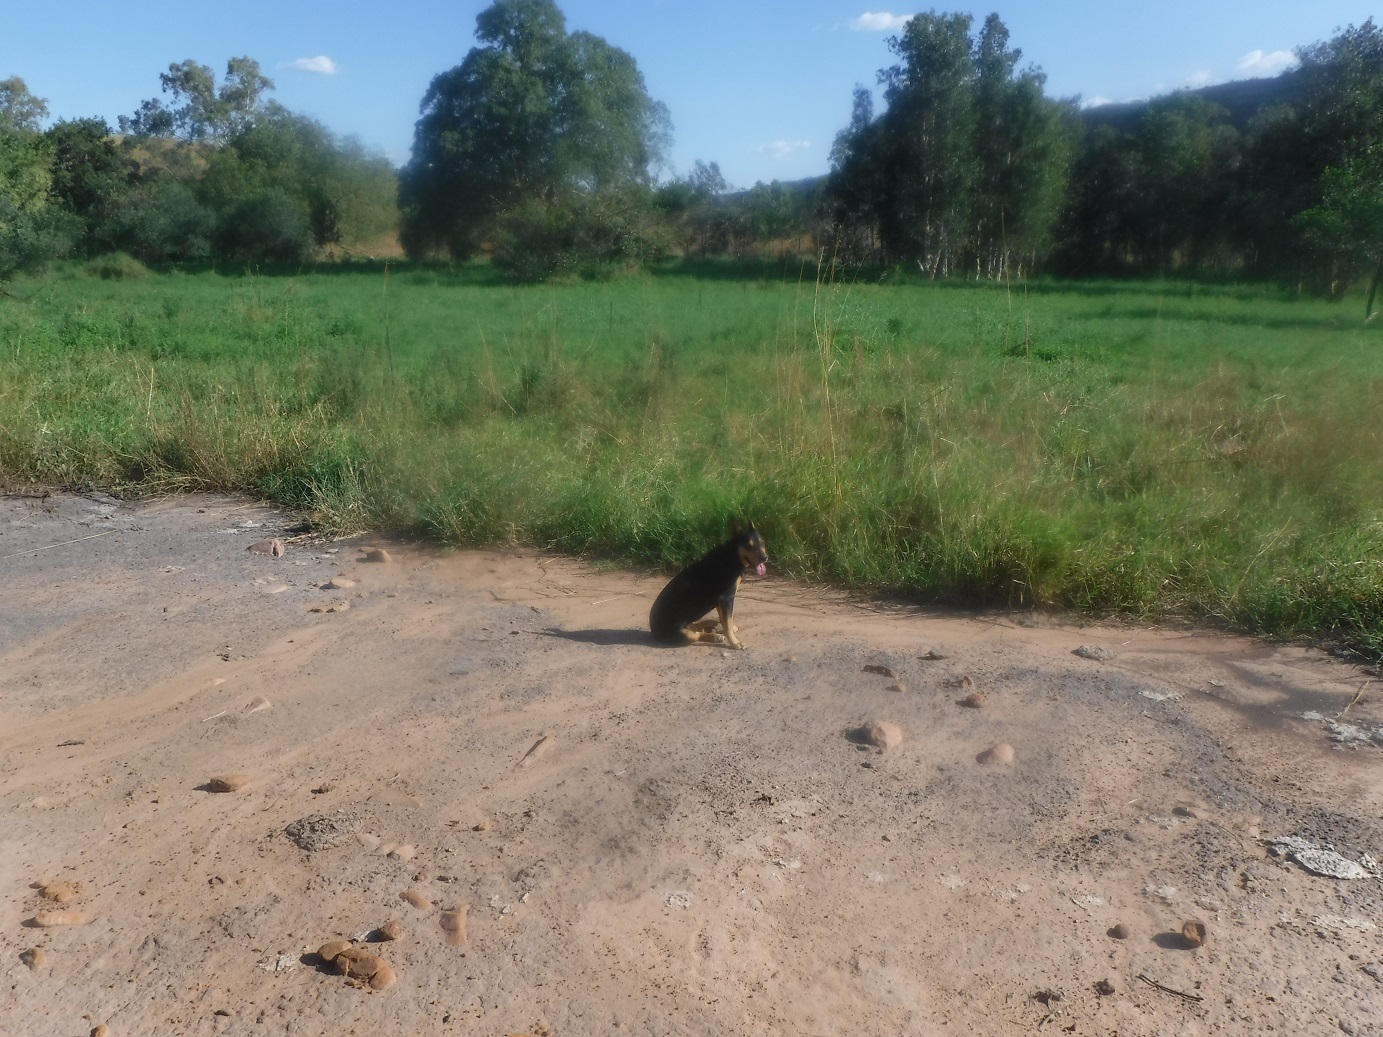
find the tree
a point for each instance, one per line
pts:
(1347, 226)
(161, 220)
(929, 166)
(90, 176)
(20, 111)
(33, 230)
(967, 164)
(203, 113)
(692, 206)
(1023, 147)
(533, 114)
(854, 191)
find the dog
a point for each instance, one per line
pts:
(708, 583)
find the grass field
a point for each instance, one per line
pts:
(1146, 449)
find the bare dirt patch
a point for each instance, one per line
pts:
(649, 840)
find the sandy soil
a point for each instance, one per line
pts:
(698, 847)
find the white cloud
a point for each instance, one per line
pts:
(321, 64)
(1265, 64)
(782, 148)
(1201, 78)
(1096, 101)
(879, 21)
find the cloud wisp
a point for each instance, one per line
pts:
(879, 21)
(782, 148)
(320, 65)
(1266, 63)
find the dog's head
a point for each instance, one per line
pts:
(749, 542)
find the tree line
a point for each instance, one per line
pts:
(219, 172)
(541, 150)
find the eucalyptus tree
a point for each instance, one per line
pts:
(20, 110)
(965, 168)
(928, 166)
(1024, 144)
(202, 111)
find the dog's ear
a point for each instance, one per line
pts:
(735, 528)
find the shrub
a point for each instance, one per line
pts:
(585, 236)
(162, 221)
(31, 238)
(115, 266)
(268, 227)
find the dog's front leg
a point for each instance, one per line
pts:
(726, 608)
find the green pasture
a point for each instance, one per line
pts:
(1145, 449)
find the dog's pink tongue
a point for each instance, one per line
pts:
(761, 569)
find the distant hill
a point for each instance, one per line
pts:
(1243, 98)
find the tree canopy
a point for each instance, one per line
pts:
(533, 115)
(966, 166)
(203, 112)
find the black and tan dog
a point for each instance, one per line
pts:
(708, 583)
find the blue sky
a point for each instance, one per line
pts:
(760, 86)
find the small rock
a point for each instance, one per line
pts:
(897, 686)
(1097, 652)
(932, 655)
(880, 669)
(391, 930)
(329, 950)
(1317, 859)
(879, 733)
(228, 783)
(323, 788)
(403, 852)
(323, 831)
(1119, 932)
(1104, 988)
(1001, 753)
(258, 703)
(975, 700)
(269, 548)
(100, 1030)
(60, 892)
(35, 957)
(49, 919)
(358, 963)
(376, 554)
(965, 684)
(453, 923)
(482, 826)
(338, 583)
(1182, 810)
(1195, 933)
(415, 898)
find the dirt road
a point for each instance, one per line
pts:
(649, 840)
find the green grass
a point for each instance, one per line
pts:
(1143, 449)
